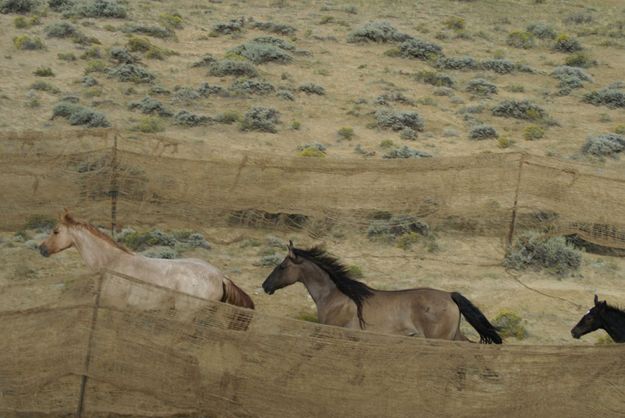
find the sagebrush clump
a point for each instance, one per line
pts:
(279, 28)
(312, 88)
(570, 77)
(533, 132)
(435, 78)
(500, 66)
(131, 72)
(483, 132)
(261, 53)
(606, 145)
(405, 152)
(520, 39)
(186, 118)
(610, 97)
(398, 120)
(252, 86)
(26, 43)
(519, 109)
(149, 105)
(79, 115)
(60, 30)
(377, 31)
(228, 28)
(541, 30)
(416, 48)
(389, 228)
(464, 63)
(18, 6)
(566, 43)
(531, 250)
(262, 119)
(481, 87)
(510, 324)
(234, 68)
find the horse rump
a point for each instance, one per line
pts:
(488, 333)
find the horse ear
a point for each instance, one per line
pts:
(67, 218)
(596, 300)
(290, 248)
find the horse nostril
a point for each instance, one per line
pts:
(43, 250)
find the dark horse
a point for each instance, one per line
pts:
(345, 302)
(603, 316)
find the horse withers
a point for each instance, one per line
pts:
(345, 302)
(602, 316)
(100, 252)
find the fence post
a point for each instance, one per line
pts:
(114, 191)
(94, 318)
(516, 200)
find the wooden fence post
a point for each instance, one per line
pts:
(516, 200)
(114, 191)
(94, 319)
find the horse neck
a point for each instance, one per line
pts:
(318, 283)
(95, 252)
(614, 324)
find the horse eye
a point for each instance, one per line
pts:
(56, 232)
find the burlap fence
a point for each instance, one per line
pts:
(110, 178)
(93, 360)
(78, 356)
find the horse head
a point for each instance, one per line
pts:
(591, 321)
(284, 274)
(60, 239)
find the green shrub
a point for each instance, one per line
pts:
(533, 132)
(20, 22)
(149, 124)
(138, 241)
(519, 109)
(149, 106)
(44, 86)
(454, 23)
(604, 145)
(132, 73)
(398, 120)
(95, 66)
(387, 143)
(481, 87)
(278, 28)
(519, 39)
(346, 133)
(25, 42)
(483, 132)
(171, 20)
(541, 30)
(377, 31)
(260, 119)
(228, 117)
(619, 129)
(18, 6)
(154, 31)
(66, 56)
(415, 48)
(406, 241)
(579, 59)
(566, 43)
(44, 72)
(610, 97)
(355, 271)
(509, 324)
(234, 68)
(121, 55)
(405, 152)
(60, 30)
(312, 88)
(554, 254)
(311, 152)
(92, 53)
(435, 78)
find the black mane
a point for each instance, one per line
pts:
(614, 322)
(339, 273)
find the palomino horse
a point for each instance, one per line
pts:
(345, 302)
(100, 253)
(602, 316)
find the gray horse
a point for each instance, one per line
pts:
(345, 302)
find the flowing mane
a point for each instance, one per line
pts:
(68, 220)
(339, 274)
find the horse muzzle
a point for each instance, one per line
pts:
(43, 250)
(268, 290)
(575, 335)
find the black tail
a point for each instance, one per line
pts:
(488, 333)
